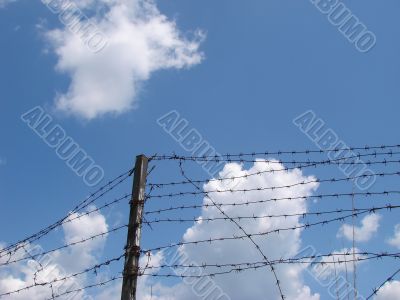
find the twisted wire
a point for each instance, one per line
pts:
(256, 217)
(311, 260)
(275, 231)
(100, 284)
(284, 169)
(13, 248)
(229, 156)
(237, 268)
(389, 279)
(102, 234)
(331, 180)
(246, 203)
(94, 269)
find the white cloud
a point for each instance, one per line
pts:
(57, 264)
(140, 41)
(395, 240)
(254, 284)
(369, 226)
(390, 291)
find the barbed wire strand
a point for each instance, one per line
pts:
(289, 186)
(100, 284)
(389, 279)
(234, 269)
(258, 217)
(246, 203)
(106, 205)
(228, 156)
(68, 245)
(94, 269)
(311, 260)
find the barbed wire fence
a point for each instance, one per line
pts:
(182, 201)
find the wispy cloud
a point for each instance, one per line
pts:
(395, 240)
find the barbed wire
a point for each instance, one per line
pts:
(99, 284)
(256, 217)
(102, 234)
(276, 231)
(8, 252)
(233, 269)
(247, 202)
(285, 169)
(13, 248)
(106, 205)
(289, 162)
(94, 269)
(238, 267)
(115, 182)
(389, 279)
(311, 260)
(258, 248)
(288, 186)
(278, 153)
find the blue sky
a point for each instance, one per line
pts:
(256, 66)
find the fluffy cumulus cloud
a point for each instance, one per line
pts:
(55, 265)
(108, 48)
(395, 240)
(390, 291)
(363, 233)
(256, 284)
